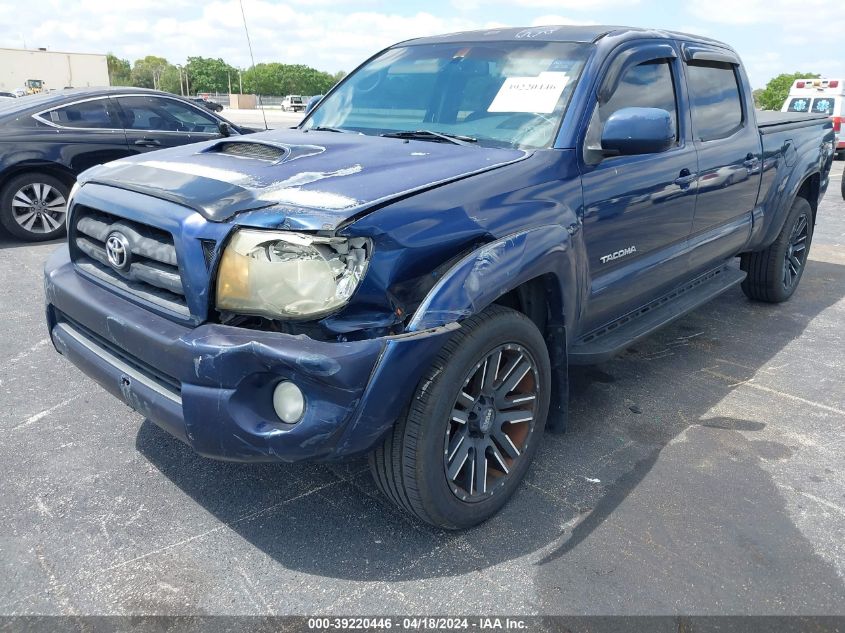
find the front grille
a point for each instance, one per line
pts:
(152, 271)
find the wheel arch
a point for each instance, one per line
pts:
(532, 271)
(44, 167)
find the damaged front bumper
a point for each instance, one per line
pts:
(212, 385)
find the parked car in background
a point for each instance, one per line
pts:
(206, 103)
(293, 103)
(46, 140)
(8, 95)
(820, 96)
(409, 273)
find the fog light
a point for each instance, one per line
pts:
(288, 402)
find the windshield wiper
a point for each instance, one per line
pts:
(339, 130)
(429, 135)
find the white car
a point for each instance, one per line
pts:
(293, 103)
(820, 96)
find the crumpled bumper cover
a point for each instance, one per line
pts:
(211, 385)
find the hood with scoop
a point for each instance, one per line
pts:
(316, 179)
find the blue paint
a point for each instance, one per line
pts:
(453, 227)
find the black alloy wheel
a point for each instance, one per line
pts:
(492, 422)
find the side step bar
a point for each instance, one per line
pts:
(606, 342)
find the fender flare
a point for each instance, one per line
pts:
(496, 268)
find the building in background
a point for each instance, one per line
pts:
(39, 69)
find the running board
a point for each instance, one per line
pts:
(606, 342)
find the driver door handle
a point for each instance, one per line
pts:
(148, 142)
(685, 178)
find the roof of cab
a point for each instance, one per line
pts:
(557, 33)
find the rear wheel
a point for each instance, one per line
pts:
(473, 425)
(773, 274)
(33, 206)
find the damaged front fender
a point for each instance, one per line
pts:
(495, 269)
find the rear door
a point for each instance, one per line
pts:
(82, 133)
(729, 153)
(155, 122)
(638, 210)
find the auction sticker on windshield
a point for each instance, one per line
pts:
(530, 94)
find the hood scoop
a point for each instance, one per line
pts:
(267, 152)
(248, 149)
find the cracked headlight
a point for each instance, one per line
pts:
(289, 275)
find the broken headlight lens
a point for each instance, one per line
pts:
(289, 275)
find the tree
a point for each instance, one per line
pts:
(119, 71)
(210, 75)
(756, 94)
(285, 79)
(147, 72)
(777, 90)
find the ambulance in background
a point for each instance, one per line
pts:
(820, 96)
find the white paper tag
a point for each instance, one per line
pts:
(530, 94)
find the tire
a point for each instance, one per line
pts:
(414, 465)
(773, 274)
(45, 218)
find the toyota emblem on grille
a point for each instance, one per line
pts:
(117, 250)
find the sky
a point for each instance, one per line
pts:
(771, 36)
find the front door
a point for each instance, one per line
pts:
(155, 122)
(638, 210)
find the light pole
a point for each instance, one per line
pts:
(181, 89)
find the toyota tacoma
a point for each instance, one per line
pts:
(409, 273)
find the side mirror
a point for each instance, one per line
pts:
(225, 128)
(313, 101)
(632, 131)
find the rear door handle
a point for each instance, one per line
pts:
(686, 178)
(148, 142)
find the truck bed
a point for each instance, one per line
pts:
(769, 121)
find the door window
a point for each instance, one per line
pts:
(160, 114)
(715, 100)
(823, 105)
(94, 114)
(648, 85)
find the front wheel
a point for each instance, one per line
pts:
(33, 206)
(473, 425)
(773, 274)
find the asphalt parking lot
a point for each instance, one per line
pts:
(703, 473)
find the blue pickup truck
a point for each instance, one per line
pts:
(409, 273)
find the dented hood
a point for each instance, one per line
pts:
(314, 180)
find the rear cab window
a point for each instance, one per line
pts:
(715, 100)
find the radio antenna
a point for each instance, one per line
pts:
(252, 58)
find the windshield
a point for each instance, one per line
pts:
(501, 94)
